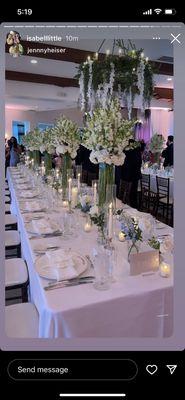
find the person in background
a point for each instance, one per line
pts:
(167, 153)
(15, 151)
(131, 169)
(7, 154)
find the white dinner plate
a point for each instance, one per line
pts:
(48, 271)
(42, 227)
(30, 195)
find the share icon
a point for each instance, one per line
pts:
(172, 368)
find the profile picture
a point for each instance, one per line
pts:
(13, 40)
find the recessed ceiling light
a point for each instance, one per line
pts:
(34, 61)
(169, 79)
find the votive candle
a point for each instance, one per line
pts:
(87, 227)
(121, 236)
(165, 270)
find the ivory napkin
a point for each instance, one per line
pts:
(63, 264)
(28, 194)
(44, 226)
(32, 206)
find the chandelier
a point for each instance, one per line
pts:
(124, 73)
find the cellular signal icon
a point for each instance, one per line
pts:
(147, 12)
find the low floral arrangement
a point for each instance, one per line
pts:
(66, 137)
(85, 203)
(106, 134)
(156, 143)
(141, 228)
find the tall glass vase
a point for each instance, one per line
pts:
(47, 162)
(67, 164)
(133, 248)
(106, 177)
(36, 157)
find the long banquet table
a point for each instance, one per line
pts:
(134, 306)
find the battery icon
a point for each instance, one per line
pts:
(170, 11)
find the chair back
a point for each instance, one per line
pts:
(124, 191)
(145, 182)
(163, 187)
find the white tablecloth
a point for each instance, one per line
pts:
(133, 307)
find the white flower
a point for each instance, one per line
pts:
(60, 149)
(85, 200)
(42, 149)
(93, 210)
(167, 245)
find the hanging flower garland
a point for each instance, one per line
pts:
(127, 74)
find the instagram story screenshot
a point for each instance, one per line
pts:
(92, 276)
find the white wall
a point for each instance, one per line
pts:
(34, 117)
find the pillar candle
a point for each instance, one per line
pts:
(69, 188)
(110, 221)
(79, 182)
(74, 196)
(95, 192)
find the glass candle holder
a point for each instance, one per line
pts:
(111, 196)
(79, 176)
(95, 191)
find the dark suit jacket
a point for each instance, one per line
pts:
(167, 154)
(131, 169)
(83, 158)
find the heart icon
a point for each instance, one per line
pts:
(151, 369)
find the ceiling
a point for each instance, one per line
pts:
(41, 97)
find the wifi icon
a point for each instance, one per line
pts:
(157, 10)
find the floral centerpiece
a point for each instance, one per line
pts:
(106, 134)
(138, 229)
(66, 140)
(85, 202)
(156, 146)
(33, 140)
(47, 148)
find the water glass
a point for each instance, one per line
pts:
(101, 268)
